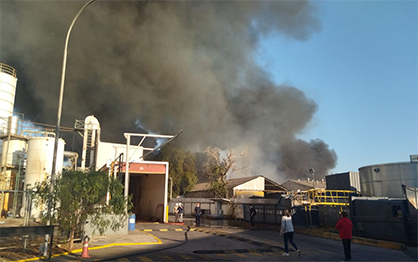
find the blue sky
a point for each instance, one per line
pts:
(361, 70)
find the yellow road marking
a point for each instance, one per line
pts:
(178, 229)
(147, 230)
(123, 260)
(255, 254)
(163, 229)
(239, 254)
(145, 259)
(166, 257)
(186, 257)
(203, 256)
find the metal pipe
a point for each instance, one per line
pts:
(126, 192)
(171, 188)
(16, 188)
(3, 175)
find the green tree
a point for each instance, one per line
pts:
(216, 168)
(79, 196)
(182, 168)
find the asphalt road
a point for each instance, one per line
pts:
(234, 244)
(216, 241)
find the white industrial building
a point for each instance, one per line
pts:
(147, 179)
(27, 156)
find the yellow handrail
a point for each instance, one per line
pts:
(317, 197)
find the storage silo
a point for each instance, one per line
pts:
(14, 145)
(386, 180)
(8, 82)
(13, 151)
(40, 154)
(90, 142)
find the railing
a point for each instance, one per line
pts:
(330, 197)
(318, 197)
(7, 69)
(38, 133)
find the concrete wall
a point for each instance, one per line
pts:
(91, 231)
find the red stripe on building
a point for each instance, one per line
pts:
(145, 168)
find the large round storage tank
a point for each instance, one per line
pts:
(8, 82)
(13, 153)
(386, 180)
(40, 154)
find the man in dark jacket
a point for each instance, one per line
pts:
(197, 213)
(345, 227)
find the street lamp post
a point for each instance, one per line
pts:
(171, 188)
(312, 171)
(64, 64)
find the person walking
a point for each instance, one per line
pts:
(253, 212)
(197, 213)
(345, 226)
(180, 210)
(176, 213)
(287, 231)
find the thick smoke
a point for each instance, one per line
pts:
(173, 65)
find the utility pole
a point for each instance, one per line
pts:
(312, 171)
(171, 188)
(64, 67)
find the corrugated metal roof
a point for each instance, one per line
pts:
(236, 182)
(201, 187)
(303, 184)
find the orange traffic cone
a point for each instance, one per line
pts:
(85, 253)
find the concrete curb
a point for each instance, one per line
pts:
(357, 240)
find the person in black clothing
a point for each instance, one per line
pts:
(252, 215)
(198, 213)
(180, 210)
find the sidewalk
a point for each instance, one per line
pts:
(105, 247)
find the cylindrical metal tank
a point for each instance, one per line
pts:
(8, 82)
(40, 154)
(13, 124)
(16, 148)
(386, 180)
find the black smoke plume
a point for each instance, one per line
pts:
(171, 65)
